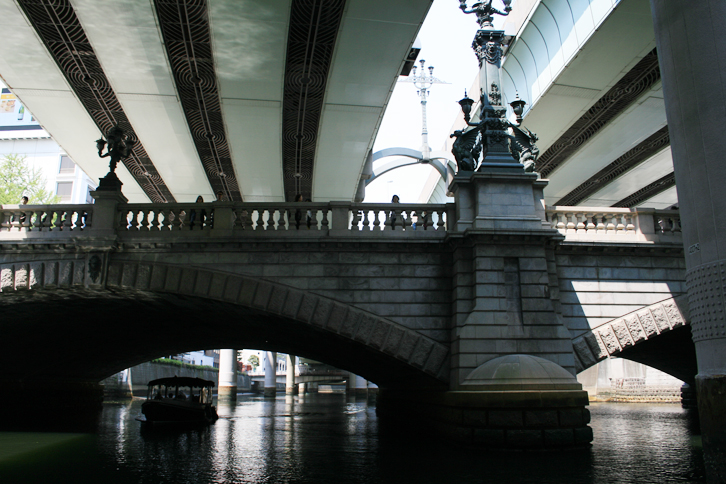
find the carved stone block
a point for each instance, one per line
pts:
(338, 316)
(128, 275)
(636, 330)
(421, 352)
(622, 333)
(187, 281)
(158, 277)
(366, 323)
(436, 360)
(408, 343)
(648, 322)
(21, 277)
(216, 286)
(608, 338)
(674, 314)
(395, 335)
(596, 346)
(65, 273)
(660, 317)
(322, 313)
(50, 276)
(79, 273)
(246, 292)
(307, 308)
(35, 278)
(379, 334)
(583, 352)
(292, 303)
(143, 277)
(262, 295)
(277, 299)
(201, 284)
(173, 277)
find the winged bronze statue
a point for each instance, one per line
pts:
(523, 148)
(466, 148)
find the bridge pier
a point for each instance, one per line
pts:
(691, 45)
(270, 374)
(227, 387)
(290, 387)
(512, 364)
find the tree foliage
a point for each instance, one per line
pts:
(17, 178)
(254, 361)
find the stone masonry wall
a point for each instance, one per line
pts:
(598, 285)
(407, 283)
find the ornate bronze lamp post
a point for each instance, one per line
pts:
(500, 143)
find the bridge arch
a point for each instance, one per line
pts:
(139, 311)
(657, 335)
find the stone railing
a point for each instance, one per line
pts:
(223, 219)
(316, 219)
(68, 220)
(598, 224)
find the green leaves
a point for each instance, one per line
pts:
(18, 179)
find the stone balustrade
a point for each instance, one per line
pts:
(227, 219)
(608, 224)
(56, 219)
(577, 224)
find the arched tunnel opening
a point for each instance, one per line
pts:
(62, 337)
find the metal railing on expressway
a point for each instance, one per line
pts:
(598, 224)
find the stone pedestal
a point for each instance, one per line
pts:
(506, 291)
(511, 402)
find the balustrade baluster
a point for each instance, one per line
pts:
(247, 222)
(589, 217)
(561, 221)
(600, 222)
(619, 225)
(325, 222)
(629, 225)
(424, 220)
(144, 223)
(134, 222)
(676, 225)
(37, 220)
(610, 222)
(570, 223)
(581, 219)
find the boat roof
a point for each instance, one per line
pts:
(182, 381)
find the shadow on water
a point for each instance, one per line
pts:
(336, 439)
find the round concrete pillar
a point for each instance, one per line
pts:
(290, 387)
(361, 385)
(270, 374)
(691, 45)
(227, 386)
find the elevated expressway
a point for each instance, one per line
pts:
(589, 71)
(259, 99)
(266, 99)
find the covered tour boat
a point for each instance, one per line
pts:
(179, 400)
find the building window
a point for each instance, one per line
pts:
(66, 165)
(64, 190)
(89, 197)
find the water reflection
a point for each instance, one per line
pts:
(335, 439)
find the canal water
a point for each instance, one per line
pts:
(337, 439)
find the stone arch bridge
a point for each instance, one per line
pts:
(361, 288)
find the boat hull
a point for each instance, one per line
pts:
(169, 411)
